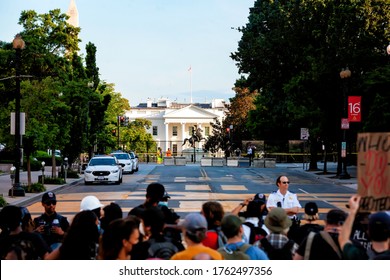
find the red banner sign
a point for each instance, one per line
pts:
(354, 109)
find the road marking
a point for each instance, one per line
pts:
(197, 188)
(234, 188)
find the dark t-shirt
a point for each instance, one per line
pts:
(320, 249)
(303, 231)
(49, 236)
(30, 245)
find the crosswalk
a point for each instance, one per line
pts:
(187, 197)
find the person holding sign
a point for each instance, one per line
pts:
(378, 231)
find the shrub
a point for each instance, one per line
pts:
(69, 174)
(3, 202)
(54, 181)
(35, 188)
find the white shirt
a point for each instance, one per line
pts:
(289, 200)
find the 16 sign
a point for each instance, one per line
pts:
(354, 108)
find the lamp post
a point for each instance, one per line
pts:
(345, 74)
(388, 49)
(16, 190)
(12, 176)
(66, 168)
(43, 172)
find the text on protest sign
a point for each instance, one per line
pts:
(374, 171)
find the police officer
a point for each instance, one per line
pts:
(285, 199)
(51, 225)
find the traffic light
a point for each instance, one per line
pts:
(121, 120)
(113, 132)
(126, 122)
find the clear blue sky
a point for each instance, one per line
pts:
(145, 47)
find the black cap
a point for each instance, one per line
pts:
(166, 195)
(48, 196)
(311, 208)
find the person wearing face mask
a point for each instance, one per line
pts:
(171, 219)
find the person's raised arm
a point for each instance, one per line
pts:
(240, 206)
(346, 229)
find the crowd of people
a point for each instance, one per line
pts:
(259, 228)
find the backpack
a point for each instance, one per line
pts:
(222, 240)
(283, 253)
(238, 254)
(161, 250)
(256, 233)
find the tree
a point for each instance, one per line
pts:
(135, 136)
(219, 140)
(292, 53)
(237, 114)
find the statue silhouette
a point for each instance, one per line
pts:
(196, 137)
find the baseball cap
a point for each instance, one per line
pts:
(379, 226)
(311, 208)
(230, 225)
(48, 196)
(260, 198)
(194, 222)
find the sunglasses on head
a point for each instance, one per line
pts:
(286, 182)
(51, 203)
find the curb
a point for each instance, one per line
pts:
(37, 196)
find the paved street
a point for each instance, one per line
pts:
(192, 185)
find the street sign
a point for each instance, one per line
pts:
(344, 123)
(22, 123)
(304, 133)
(354, 108)
(343, 149)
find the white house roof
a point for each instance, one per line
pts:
(189, 112)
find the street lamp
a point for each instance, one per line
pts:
(66, 168)
(43, 172)
(16, 190)
(388, 49)
(345, 74)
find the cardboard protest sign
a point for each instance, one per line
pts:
(374, 171)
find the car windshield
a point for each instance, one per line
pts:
(132, 155)
(122, 156)
(102, 161)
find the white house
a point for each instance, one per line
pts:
(173, 122)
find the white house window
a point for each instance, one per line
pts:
(174, 131)
(155, 131)
(207, 131)
(190, 129)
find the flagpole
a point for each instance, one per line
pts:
(190, 69)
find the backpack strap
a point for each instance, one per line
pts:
(221, 237)
(267, 246)
(326, 236)
(309, 241)
(244, 247)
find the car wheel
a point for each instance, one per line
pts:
(136, 170)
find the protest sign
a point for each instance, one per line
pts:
(374, 171)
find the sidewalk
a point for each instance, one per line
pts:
(6, 185)
(331, 172)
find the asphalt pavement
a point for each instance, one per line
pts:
(6, 184)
